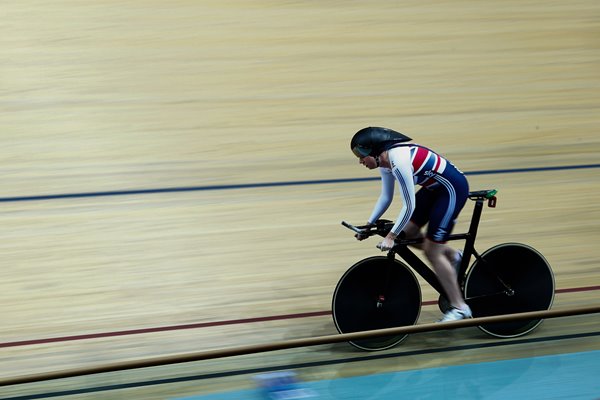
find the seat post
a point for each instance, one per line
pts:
(472, 234)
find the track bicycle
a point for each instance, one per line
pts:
(383, 292)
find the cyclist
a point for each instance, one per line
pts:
(443, 193)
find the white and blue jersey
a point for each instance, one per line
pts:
(445, 190)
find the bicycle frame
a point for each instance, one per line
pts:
(401, 248)
(504, 279)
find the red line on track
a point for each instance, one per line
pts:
(214, 323)
(163, 329)
(578, 289)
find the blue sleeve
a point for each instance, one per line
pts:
(402, 170)
(386, 196)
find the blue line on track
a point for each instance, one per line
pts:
(266, 184)
(252, 371)
(563, 376)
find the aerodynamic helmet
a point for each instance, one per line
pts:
(373, 141)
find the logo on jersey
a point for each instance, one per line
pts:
(440, 234)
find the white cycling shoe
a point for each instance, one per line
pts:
(455, 314)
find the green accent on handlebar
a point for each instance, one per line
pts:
(491, 194)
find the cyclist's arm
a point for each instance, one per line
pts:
(386, 196)
(402, 171)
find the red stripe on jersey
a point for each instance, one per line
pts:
(438, 161)
(420, 158)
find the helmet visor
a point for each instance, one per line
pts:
(360, 152)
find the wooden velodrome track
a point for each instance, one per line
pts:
(110, 96)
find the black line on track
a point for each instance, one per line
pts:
(373, 356)
(265, 184)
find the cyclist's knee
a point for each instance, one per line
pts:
(412, 231)
(433, 251)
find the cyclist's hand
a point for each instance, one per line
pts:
(364, 235)
(386, 244)
(361, 236)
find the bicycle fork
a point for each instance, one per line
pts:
(381, 296)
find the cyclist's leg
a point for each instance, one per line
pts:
(452, 192)
(436, 254)
(413, 231)
(424, 200)
(451, 195)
